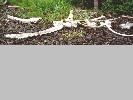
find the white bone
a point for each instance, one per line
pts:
(70, 17)
(33, 20)
(126, 25)
(90, 24)
(4, 2)
(13, 6)
(127, 16)
(108, 25)
(26, 35)
(99, 18)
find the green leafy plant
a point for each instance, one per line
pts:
(44, 8)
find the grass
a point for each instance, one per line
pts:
(47, 9)
(119, 6)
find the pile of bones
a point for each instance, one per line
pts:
(68, 22)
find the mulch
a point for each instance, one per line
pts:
(74, 36)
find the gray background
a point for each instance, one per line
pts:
(66, 73)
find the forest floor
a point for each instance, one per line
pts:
(67, 36)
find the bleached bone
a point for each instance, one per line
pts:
(126, 25)
(70, 22)
(4, 2)
(99, 18)
(26, 35)
(127, 16)
(108, 25)
(58, 25)
(31, 20)
(13, 6)
(70, 17)
(90, 24)
(94, 24)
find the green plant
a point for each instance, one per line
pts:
(51, 9)
(118, 6)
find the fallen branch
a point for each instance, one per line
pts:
(31, 20)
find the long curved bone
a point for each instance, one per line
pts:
(108, 25)
(26, 35)
(4, 2)
(31, 20)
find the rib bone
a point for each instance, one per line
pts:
(31, 20)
